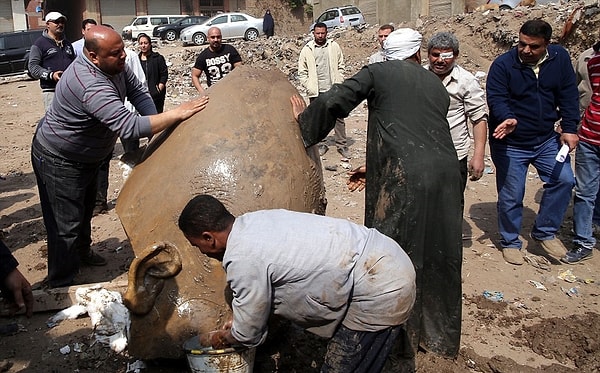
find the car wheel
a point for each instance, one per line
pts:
(504, 7)
(199, 38)
(171, 35)
(251, 34)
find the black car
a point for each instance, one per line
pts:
(171, 31)
(14, 50)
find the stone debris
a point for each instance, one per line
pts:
(483, 36)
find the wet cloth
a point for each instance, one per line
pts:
(413, 191)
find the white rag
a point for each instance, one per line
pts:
(402, 44)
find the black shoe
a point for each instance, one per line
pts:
(100, 208)
(323, 149)
(92, 259)
(577, 255)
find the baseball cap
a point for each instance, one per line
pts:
(53, 16)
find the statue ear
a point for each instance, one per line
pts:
(147, 275)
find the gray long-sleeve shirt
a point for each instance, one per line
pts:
(88, 114)
(315, 271)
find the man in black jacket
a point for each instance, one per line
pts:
(50, 55)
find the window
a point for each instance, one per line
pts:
(13, 42)
(238, 18)
(159, 21)
(349, 11)
(219, 20)
(141, 21)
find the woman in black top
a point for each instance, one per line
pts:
(155, 69)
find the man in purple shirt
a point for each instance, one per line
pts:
(77, 133)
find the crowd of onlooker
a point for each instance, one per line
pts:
(427, 137)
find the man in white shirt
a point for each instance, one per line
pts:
(86, 24)
(467, 104)
(337, 279)
(382, 34)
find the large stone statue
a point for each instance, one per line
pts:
(245, 148)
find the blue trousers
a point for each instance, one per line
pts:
(512, 164)
(587, 171)
(359, 352)
(67, 193)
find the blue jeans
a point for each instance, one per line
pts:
(587, 171)
(511, 174)
(67, 194)
(359, 352)
(596, 216)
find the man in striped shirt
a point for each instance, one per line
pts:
(77, 133)
(587, 169)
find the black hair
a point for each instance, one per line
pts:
(144, 35)
(537, 28)
(387, 26)
(88, 21)
(320, 25)
(204, 213)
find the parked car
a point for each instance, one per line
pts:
(146, 24)
(342, 16)
(511, 4)
(232, 25)
(14, 50)
(171, 31)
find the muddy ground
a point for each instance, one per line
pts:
(509, 323)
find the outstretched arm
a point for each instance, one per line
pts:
(357, 179)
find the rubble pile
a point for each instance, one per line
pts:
(273, 53)
(483, 36)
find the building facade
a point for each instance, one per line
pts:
(29, 14)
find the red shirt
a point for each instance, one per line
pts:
(590, 125)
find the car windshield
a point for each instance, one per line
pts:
(181, 20)
(349, 11)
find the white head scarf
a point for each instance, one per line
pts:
(401, 44)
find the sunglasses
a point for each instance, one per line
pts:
(60, 20)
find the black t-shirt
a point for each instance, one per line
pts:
(217, 64)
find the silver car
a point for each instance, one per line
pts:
(511, 4)
(232, 25)
(343, 16)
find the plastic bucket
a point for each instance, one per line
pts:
(229, 360)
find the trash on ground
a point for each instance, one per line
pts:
(572, 292)
(135, 367)
(65, 350)
(494, 296)
(109, 317)
(538, 285)
(567, 275)
(537, 261)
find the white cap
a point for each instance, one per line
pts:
(53, 16)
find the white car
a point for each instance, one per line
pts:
(232, 25)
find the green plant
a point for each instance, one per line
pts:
(296, 3)
(308, 10)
